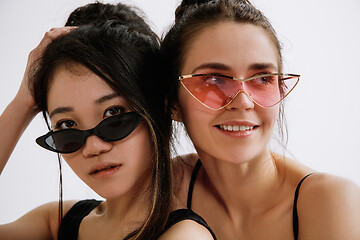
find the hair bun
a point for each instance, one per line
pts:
(95, 13)
(112, 14)
(191, 2)
(186, 4)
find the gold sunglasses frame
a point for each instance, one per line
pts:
(289, 75)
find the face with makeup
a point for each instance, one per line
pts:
(242, 130)
(80, 99)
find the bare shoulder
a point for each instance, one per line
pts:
(39, 223)
(329, 208)
(67, 205)
(187, 161)
(321, 186)
(187, 229)
(183, 167)
(53, 214)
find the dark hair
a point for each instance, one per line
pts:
(127, 60)
(191, 16)
(100, 12)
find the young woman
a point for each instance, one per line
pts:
(223, 67)
(96, 87)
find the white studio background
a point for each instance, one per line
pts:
(320, 41)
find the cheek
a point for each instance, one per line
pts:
(270, 116)
(183, 100)
(196, 118)
(275, 114)
(75, 162)
(186, 107)
(138, 146)
(189, 107)
(138, 157)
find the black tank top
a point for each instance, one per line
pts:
(69, 228)
(295, 214)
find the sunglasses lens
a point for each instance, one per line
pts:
(64, 141)
(267, 91)
(213, 91)
(287, 84)
(118, 127)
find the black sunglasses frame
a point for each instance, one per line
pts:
(83, 134)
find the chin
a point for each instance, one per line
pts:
(110, 191)
(112, 194)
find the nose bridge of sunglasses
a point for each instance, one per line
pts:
(89, 133)
(248, 96)
(95, 132)
(94, 138)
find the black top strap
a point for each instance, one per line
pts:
(192, 182)
(295, 214)
(186, 214)
(69, 228)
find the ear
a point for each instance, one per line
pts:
(176, 113)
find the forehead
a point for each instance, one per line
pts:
(74, 84)
(234, 44)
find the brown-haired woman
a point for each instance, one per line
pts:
(223, 68)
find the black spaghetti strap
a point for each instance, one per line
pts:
(192, 182)
(70, 224)
(295, 214)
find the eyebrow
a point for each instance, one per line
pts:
(218, 66)
(61, 110)
(106, 98)
(261, 66)
(221, 66)
(71, 109)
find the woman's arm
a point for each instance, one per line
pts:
(13, 121)
(19, 113)
(40, 223)
(21, 110)
(329, 208)
(36, 224)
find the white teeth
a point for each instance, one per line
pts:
(235, 128)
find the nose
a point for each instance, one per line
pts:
(241, 101)
(95, 146)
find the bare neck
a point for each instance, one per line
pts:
(127, 211)
(246, 187)
(116, 218)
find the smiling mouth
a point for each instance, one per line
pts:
(106, 168)
(236, 128)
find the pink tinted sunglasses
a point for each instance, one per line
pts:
(216, 91)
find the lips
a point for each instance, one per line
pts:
(104, 168)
